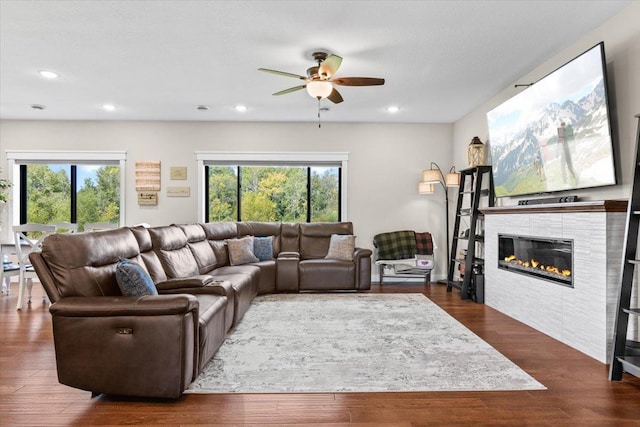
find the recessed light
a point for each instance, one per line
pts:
(202, 108)
(240, 108)
(109, 107)
(393, 109)
(38, 106)
(48, 74)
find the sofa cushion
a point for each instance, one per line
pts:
(315, 237)
(84, 264)
(241, 251)
(133, 280)
(263, 248)
(341, 246)
(261, 229)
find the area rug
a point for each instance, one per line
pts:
(318, 343)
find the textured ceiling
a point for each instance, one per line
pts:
(158, 60)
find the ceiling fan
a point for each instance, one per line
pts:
(320, 79)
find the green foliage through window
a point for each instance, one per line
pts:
(273, 193)
(50, 197)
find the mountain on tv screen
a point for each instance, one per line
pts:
(556, 134)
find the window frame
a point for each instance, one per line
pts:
(17, 158)
(306, 159)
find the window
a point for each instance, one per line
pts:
(77, 187)
(273, 193)
(287, 187)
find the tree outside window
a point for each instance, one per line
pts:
(273, 193)
(75, 193)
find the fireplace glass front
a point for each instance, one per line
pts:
(544, 258)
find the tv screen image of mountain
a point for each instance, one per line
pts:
(555, 135)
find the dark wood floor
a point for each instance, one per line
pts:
(578, 391)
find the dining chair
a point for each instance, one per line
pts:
(99, 226)
(28, 238)
(65, 227)
(9, 268)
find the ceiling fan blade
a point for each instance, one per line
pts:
(357, 81)
(291, 89)
(282, 73)
(330, 66)
(335, 96)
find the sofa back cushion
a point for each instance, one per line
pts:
(151, 260)
(315, 237)
(289, 237)
(200, 247)
(262, 229)
(217, 233)
(84, 264)
(170, 245)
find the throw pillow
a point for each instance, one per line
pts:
(133, 280)
(241, 251)
(263, 248)
(341, 246)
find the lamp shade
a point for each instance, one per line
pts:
(319, 88)
(431, 176)
(452, 179)
(425, 188)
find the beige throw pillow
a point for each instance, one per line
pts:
(241, 251)
(341, 247)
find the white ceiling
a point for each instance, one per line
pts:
(158, 60)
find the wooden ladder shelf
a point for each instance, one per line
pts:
(471, 195)
(625, 354)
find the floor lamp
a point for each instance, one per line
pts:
(433, 176)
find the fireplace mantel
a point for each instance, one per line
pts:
(588, 206)
(581, 317)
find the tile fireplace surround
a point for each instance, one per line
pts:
(583, 316)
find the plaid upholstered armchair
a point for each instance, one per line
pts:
(404, 254)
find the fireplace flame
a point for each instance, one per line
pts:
(536, 265)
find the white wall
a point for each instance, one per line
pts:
(385, 163)
(621, 36)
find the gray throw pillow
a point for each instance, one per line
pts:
(341, 246)
(133, 280)
(241, 251)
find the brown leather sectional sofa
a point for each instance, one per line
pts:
(155, 346)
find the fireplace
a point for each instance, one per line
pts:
(544, 258)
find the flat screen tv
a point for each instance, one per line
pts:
(556, 134)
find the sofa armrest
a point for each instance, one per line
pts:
(287, 279)
(362, 261)
(184, 282)
(208, 285)
(129, 346)
(284, 255)
(153, 305)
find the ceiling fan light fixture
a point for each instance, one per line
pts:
(319, 88)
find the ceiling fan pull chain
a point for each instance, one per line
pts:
(319, 124)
